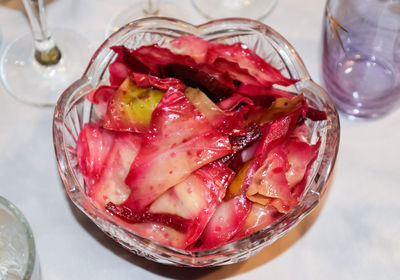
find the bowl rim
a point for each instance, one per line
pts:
(32, 259)
(286, 49)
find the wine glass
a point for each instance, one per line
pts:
(36, 68)
(254, 9)
(144, 8)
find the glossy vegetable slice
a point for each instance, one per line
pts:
(192, 46)
(92, 149)
(259, 217)
(131, 107)
(196, 199)
(180, 141)
(228, 123)
(124, 64)
(179, 216)
(299, 155)
(270, 182)
(279, 109)
(239, 53)
(285, 167)
(100, 98)
(215, 84)
(145, 81)
(110, 187)
(227, 220)
(208, 52)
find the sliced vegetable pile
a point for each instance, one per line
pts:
(194, 147)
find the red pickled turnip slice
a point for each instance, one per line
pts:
(144, 80)
(239, 53)
(299, 155)
(279, 123)
(225, 223)
(233, 70)
(192, 46)
(273, 134)
(204, 51)
(259, 217)
(118, 73)
(195, 199)
(92, 149)
(233, 101)
(153, 56)
(111, 185)
(181, 141)
(228, 123)
(101, 95)
(124, 64)
(178, 217)
(270, 182)
(285, 167)
(100, 98)
(151, 177)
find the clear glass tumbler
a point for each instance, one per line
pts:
(361, 56)
(18, 258)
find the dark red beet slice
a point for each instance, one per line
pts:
(239, 143)
(217, 88)
(127, 214)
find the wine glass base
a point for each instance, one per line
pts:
(134, 12)
(253, 9)
(30, 82)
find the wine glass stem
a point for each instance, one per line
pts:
(151, 8)
(46, 50)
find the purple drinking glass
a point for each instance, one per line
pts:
(361, 56)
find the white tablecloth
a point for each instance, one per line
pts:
(353, 234)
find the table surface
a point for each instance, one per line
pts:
(353, 234)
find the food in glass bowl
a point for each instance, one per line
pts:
(194, 150)
(193, 146)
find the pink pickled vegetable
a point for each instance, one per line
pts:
(194, 146)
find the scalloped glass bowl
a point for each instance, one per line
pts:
(73, 111)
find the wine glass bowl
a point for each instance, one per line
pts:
(43, 83)
(37, 67)
(145, 8)
(254, 9)
(73, 110)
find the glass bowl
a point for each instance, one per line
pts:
(18, 257)
(73, 110)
